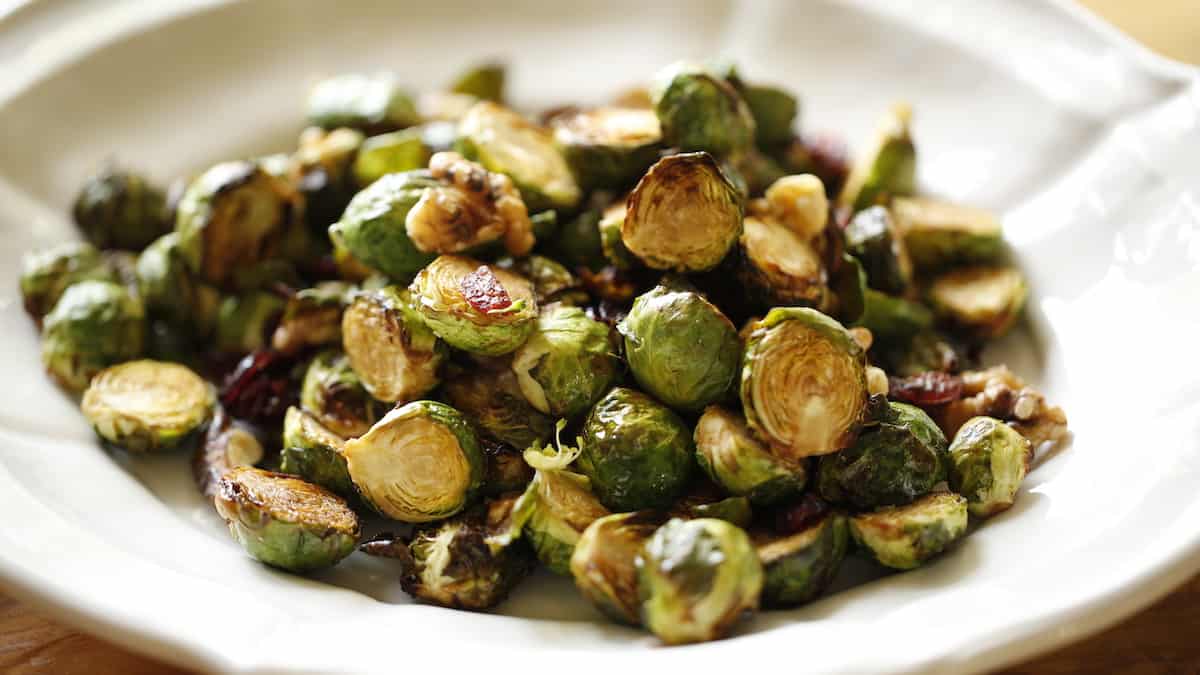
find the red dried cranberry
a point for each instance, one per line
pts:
(484, 291)
(926, 389)
(259, 388)
(800, 515)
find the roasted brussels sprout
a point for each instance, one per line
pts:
(227, 444)
(333, 393)
(735, 510)
(46, 274)
(567, 364)
(475, 307)
(312, 317)
(231, 218)
(552, 282)
(778, 267)
(321, 171)
(120, 209)
(893, 319)
(492, 399)
(458, 563)
(680, 347)
(696, 578)
(888, 168)
(314, 453)
(741, 464)
(169, 290)
(798, 567)
(373, 227)
(615, 252)
(507, 143)
(608, 147)
(874, 240)
(983, 301)
(804, 383)
(637, 453)
(774, 112)
(891, 463)
(485, 82)
(372, 104)
(604, 562)
(988, 461)
(395, 152)
(395, 355)
(245, 322)
(578, 243)
(684, 215)
(700, 111)
(286, 522)
(904, 537)
(938, 234)
(141, 406)
(95, 324)
(506, 468)
(419, 463)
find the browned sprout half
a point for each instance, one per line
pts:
(608, 147)
(146, 405)
(983, 301)
(603, 563)
(395, 355)
(312, 317)
(227, 444)
(475, 307)
(779, 267)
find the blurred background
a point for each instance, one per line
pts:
(1169, 27)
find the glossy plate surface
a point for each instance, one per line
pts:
(1088, 146)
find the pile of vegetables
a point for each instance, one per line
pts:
(667, 346)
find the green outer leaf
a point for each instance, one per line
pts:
(95, 324)
(801, 566)
(905, 537)
(567, 364)
(313, 453)
(699, 111)
(744, 467)
(373, 230)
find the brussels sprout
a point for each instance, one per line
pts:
(696, 578)
(938, 234)
(314, 453)
(419, 463)
(507, 143)
(141, 406)
(904, 537)
(373, 227)
(988, 461)
(168, 289)
(485, 81)
(774, 112)
(778, 267)
(544, 223)
(396, 152)
(492, 399)
(471, 207)
(567, 364)
(608, 147)
(578, 244)
(551, 281)
(874, 240)
(232, 217)
(457, 563)
(120, 209)
(700, 111)
(46, 274)
(348, 267)
(888, 169)
(892, 319)
(284, 522)
(753, 172)
(985, 301)
(506, 468)
(798, 567)
(604, 562)
(637, 453)
(611, 221)
(925, 351)
(804, 383)
(680, 347)
(894, 462)
(737, 461)
(735, 510)
(684, 215)
(95, 324)
(227, 444)
(372, 104)
(312, 317)
(333, 393)
(475, 307)
(394, 354)
(321, 171)
(245, 322)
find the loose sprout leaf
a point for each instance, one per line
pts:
(557, 458)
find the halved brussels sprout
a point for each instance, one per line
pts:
(798, 567)
(485, 81)
(778, 267)
(142, 406)
(492, 399)
(227, 444)
(475, 307)
(804, 383)
(774, 112)
(988, 461)
(373, 227)
(395, 152)
(696, 578)
(372, 104)
(314, 453)
(169, 290)
(506, 468)
(892, 319)
(95, 324)
(985, 301)
(285, 522)
(737, 461)
(684, 215)
(321, 171)
(637, 453)
(938, 234)
(46, 274)
(333, 393)
(680, 347)
(419, 463)
(799, 202)
(888, 168)
(874, 240)
(245, 322)
(735, 510)
(232, 217)
(578, 244)
(552, 282)
(457, 563)
(395, 355)
(604, 562)
(904, 537)
(700, 111)
(611, 221)
(312, 317)
(608, 147)
(120, 209)
(567, 364)
(507, 143)
(893, 462)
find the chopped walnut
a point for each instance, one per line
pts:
(473, 206)
(998, 392)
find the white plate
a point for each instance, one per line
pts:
(1089, 146)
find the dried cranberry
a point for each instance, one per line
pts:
(829, 157)
(260, 387)
(926, 389)
(483, 291)
(800, 515)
